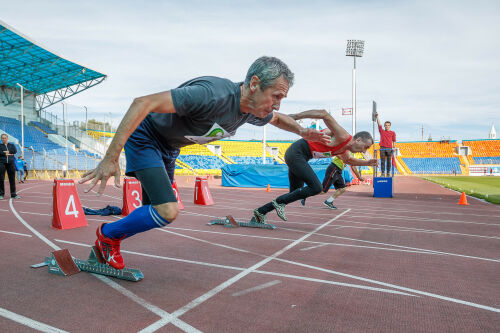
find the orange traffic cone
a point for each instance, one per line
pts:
(268, 189)
(463, 199)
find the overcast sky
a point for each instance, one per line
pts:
(427, 63)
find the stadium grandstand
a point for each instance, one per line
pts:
(36, 78)
(46, 79)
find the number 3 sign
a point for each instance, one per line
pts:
(132, 195)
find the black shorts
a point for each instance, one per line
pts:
(156, 186)
(333, 176)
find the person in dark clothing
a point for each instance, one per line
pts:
(25, 171)
(7, 163)
(301, 151)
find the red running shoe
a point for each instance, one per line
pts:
(110, 249)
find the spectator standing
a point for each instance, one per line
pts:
(20, 165)
(7, 163)
(25, 170)
(387, 144)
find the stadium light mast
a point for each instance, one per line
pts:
(86, 119)
(355, 48)
(22, 119)
(65, 115)
(264, 145)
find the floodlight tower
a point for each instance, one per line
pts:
(354, 49)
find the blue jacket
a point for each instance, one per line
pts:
(20, 164)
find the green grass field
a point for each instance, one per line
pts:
(487, 188)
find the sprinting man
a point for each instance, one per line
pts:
(333, 176)
(156, 126)
(301, 151)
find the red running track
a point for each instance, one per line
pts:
(415, 263)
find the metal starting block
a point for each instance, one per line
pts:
(230, 222)
(62, 263)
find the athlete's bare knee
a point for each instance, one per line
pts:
(168, 211)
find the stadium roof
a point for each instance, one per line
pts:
(42, 73)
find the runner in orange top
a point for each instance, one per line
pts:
(301, 151)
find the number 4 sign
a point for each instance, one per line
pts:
(67, 212)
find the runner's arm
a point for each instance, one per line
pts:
(334, 129)
(289, 124)
(140, 108)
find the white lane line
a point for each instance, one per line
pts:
(390, 285)
(35, 203)
(4, 210)
(296, 277)
(36, 325)
(366, 206)
(455, 300)
(199, 300)
(400, 246)
(425, 231)
(407, 229)
(256, 288)
(15, 233)
(161, 313)
(312, 247)
(410, 249)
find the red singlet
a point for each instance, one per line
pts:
(320, 150)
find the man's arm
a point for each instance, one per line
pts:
(378, 122)
(354, 161)
(394, 140)
(13, 151)
(357, 173)
(337, 131)
(140, 108)
(287, 123)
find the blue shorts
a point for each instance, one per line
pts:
(144, 150)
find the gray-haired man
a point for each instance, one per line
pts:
(199, 111)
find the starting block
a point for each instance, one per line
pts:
(62, 263)
(230, 222)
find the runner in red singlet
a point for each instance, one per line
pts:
(301, 151)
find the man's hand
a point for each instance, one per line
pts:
(361, 179)
(315, 135)
(106, 169)
(373, 162)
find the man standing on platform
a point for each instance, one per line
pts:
(7, 163)
(387, 144)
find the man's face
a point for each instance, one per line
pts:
(360, 146)
(387, 126)
(4, 139)
(265, 102)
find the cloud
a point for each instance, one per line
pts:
(426, 62)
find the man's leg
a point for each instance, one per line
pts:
(158, 214)
(339, 184)
(11, 173)
(301, 170)
(2, 179)
(295, 183)
(162, 211)
(389, 161)
(382, 162)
